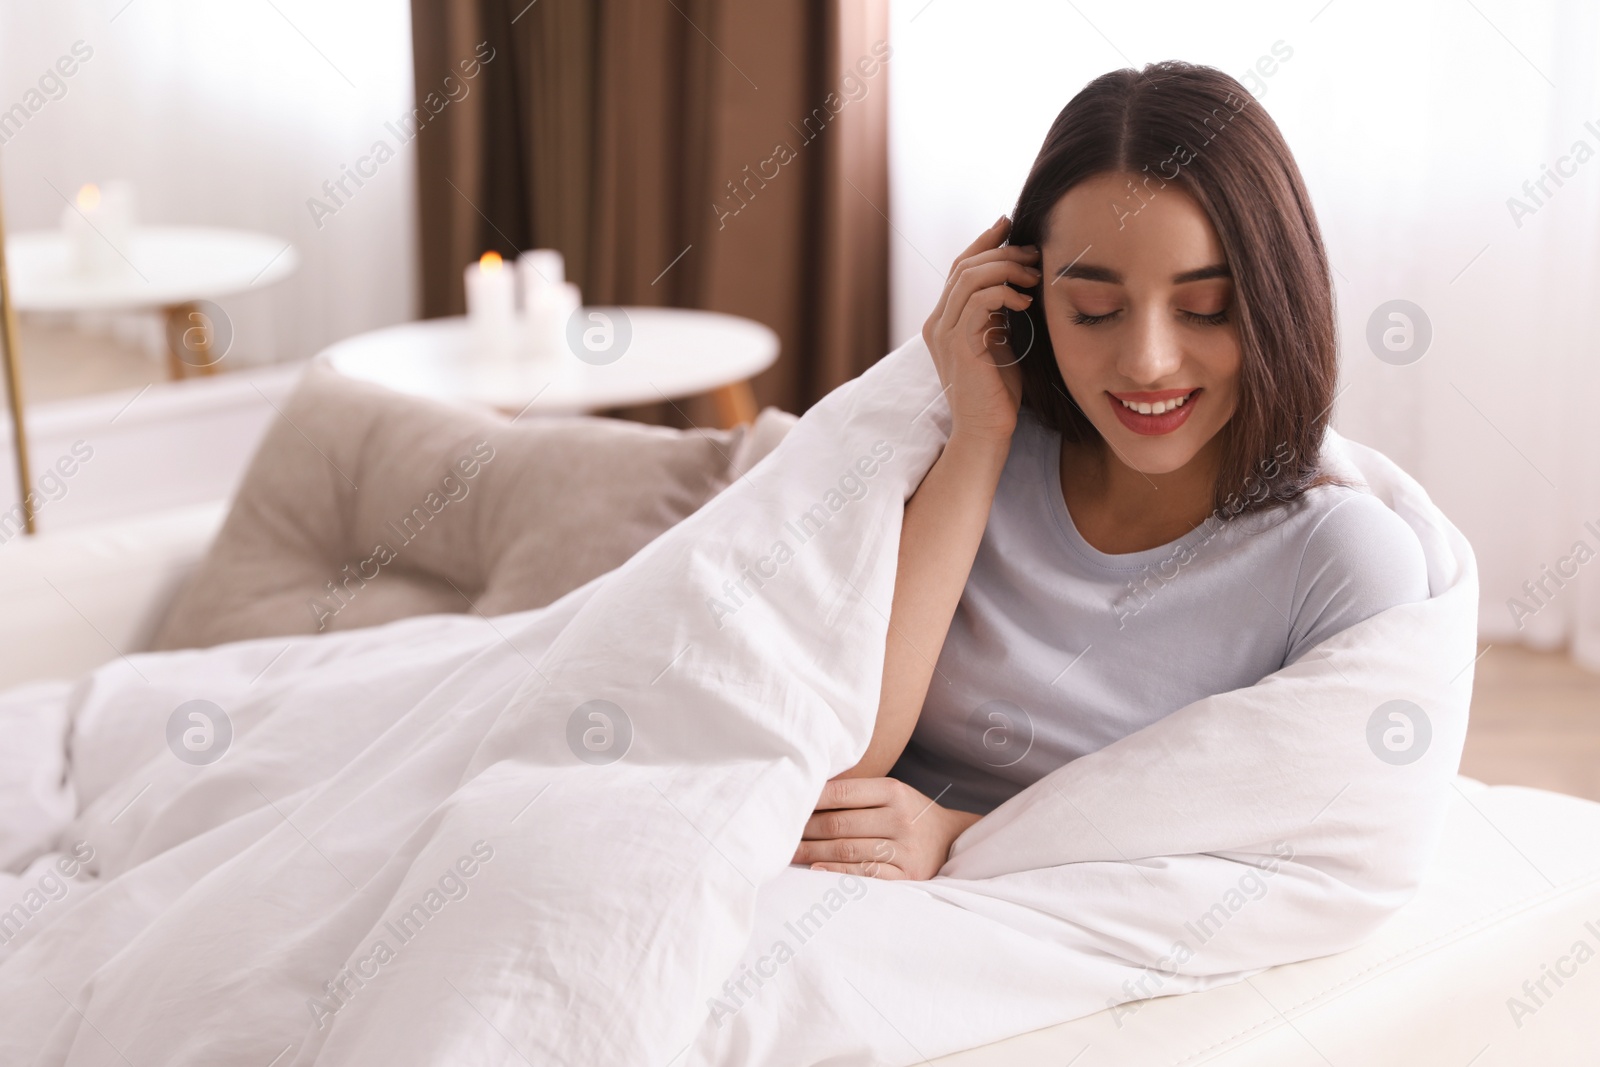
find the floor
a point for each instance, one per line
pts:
(60, 360)
(1535, 721)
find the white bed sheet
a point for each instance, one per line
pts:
(1515, 889)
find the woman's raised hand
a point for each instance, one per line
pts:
(967, 337)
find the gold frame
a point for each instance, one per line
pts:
(8, 354)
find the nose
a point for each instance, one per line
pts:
(1152, 350)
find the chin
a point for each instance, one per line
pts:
(1164, 458)
(1157, 455)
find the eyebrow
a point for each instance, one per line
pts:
(1091, 273)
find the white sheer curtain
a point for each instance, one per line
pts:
(1414, 125)
(230, 114)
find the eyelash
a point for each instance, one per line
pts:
(1204, 320)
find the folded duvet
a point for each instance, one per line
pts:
(563, 836)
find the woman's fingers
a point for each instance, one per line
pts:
(982, 329)
(978, 317)
(856, 793)
(986, 274)
(869, 867)
(1027, 255)
(966, 330)
(867, 826)
(987, 244)
(845, 850)
(850, 822)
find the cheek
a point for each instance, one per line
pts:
(1215, 355)
(1078, 351)
(1225, 360)
(1072, 342)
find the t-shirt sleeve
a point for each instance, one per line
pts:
(1360, 559)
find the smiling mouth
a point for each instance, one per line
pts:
(1154, 414)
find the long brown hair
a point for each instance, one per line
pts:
(1178, 122)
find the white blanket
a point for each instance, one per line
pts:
(421, 846)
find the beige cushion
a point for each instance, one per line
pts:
(364, 506)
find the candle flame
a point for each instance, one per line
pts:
(490, 262)
(89, 197)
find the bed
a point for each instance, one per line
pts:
(1490, 963)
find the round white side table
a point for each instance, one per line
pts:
(669, 353)
(172, 268)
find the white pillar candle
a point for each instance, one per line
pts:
(540, 268)
(491, 302)
(548, 301)
(99, 228)
(545, 321)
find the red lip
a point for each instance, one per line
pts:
(1153, 425)
(1151, 398)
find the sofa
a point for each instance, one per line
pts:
(363, 506)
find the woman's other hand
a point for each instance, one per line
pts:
(879, 828)
(966, 333)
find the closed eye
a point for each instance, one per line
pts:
(1092, 320)
(1214, 319)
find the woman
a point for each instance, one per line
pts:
(1129, 514)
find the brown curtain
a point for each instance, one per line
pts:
(693, 153)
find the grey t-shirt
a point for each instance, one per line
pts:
(1057, 649)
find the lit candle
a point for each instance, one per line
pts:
(99, 227)
(491, 302)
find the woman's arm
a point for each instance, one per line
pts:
(944, 522)
(946, 516)
(866, 823)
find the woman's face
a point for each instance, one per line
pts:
(1139, 305)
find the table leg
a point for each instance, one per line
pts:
(736, 403)
(188, 335)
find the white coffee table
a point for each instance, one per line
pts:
(671, 353)
(170, 268)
